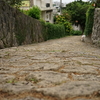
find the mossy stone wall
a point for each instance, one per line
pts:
(17, 28)
(96, 28)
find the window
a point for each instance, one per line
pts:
(47, 4)
(47, 17)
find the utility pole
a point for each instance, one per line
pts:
(60, 6)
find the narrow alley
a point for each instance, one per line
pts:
(60, 69)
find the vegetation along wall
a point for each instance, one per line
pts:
(17, 28)
(96, 27)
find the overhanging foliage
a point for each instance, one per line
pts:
(89, 21)
(77, 10)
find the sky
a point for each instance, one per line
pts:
(68, 1)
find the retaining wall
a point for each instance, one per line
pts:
(96, 28)
(17, 28)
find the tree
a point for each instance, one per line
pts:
(96, 2)
(34, 12)
(15, 3)
(64, 20)
(77, 10)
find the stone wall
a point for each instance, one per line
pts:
(96, 28)
(17, 28)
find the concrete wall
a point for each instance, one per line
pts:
(17, 28)
(96, 27)
(46, 12)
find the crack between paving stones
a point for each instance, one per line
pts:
(46, 97)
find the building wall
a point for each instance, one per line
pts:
(42, 5)
(96, 27)
(48, 17)
(47, 12)
(77, 27)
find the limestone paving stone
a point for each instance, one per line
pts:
(54, 60)
(8, 70)
(48, 78)
(5, 78)
(72, 89)
(85, 61)
(41, 56)
(86, 77)
(81, 69)
(83, 99)
(95, 98)
(16, 88)
(16, 58)
(43, 66)
(23, 73)
(29, 98)
(62, 68)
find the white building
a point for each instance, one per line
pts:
(45, 6)
(57, 8)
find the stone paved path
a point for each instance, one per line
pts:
(60, 69)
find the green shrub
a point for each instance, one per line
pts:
(24, 11)
(34, 12)
(76, 32)
(54, 30)
(89, 21)
(63, 20)
(98, 3)
(68, 27)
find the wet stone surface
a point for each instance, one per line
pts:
(60, 69)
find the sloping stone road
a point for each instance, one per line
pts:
(60, 69)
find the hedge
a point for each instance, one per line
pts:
(89, 21)
(52, 31)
